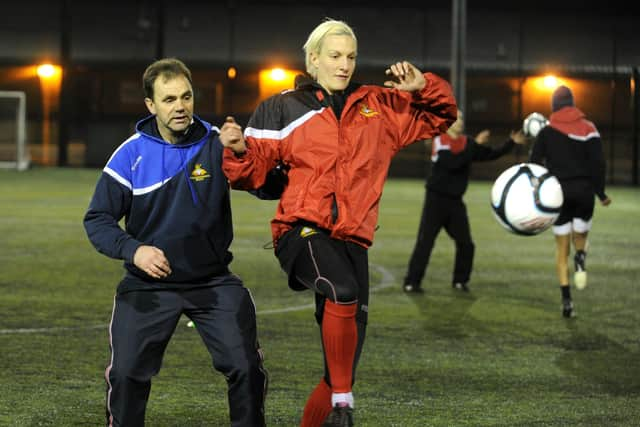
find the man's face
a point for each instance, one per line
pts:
(172, 104)
(335, 63)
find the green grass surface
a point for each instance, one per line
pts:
(499, 356)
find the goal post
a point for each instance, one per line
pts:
(14, 153)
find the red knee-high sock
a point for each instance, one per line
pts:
(340, 337)
(318, 406)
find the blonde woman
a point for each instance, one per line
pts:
(336, 138)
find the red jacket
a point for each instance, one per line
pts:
(337, 168)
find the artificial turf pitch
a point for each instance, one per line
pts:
(501, 355)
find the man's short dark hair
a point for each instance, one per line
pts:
(166, 67)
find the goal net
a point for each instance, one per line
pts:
(14, 152)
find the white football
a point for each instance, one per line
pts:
(533, 123)
(526, 199)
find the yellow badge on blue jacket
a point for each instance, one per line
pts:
(199, 173)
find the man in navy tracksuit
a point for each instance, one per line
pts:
(452, 154)
(167, 182)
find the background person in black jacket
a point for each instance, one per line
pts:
(166, 180)
(451, 155)
(570, 147)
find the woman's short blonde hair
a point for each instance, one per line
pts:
(330, 27)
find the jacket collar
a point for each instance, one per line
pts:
(198, 130)
(566, 114)
(306, 82)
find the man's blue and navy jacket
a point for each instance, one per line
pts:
(172, 196)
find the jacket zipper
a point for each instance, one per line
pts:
(334, 206)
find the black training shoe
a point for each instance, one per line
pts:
(340, 416)
(461, 286)
(412, 288)
(580, 275)
(567, 308)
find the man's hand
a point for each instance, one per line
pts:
(518, 137)
(483, 136)
(152, 261)
(606, 201)
(231, 136)
(409, 78)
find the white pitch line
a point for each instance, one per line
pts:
(387, 280)
(47, 330)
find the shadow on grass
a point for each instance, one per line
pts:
(597, 359)
(445, 316)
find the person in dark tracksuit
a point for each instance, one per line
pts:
(166, 181)
(452, 156)
(336, 139)
(570, 147)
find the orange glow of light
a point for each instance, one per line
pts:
(24, 72)
(537, 91)
(550, 81)
(50, 84)
(278, 74)
(276, 80)
(232, 72)
(545, 84)
(47, 71)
